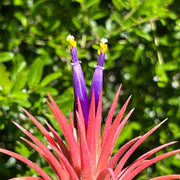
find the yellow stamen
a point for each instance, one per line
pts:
(71, 40)
(103, 46)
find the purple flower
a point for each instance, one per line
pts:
(97, 81)
(78, 82)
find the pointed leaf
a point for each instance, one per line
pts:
(107, 147)
(41, 128)
(91, 133)
(86, 170)
(26, 178)
(150, 162)
(134, 147)
(56, 163)
(142, 158)
(73, 148)
(110, 116)
(26, 161)
(60, 142)
(107, 171)
(98, 128)
(41, 153)
(120, 152)
(172, 176)
(69, 168)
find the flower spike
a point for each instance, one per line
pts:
(78, 82)
(97, 81)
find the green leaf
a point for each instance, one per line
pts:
(5, 83)
(19, 95)
(22, 18)
(23, 150)
(171, 65)
(54, 25)
(43, 91)
(6, 56)
(36, 72)
(50, 78)
(37, 6)
(117, 4)
(20, 81)
(163, 78)
(98, 14)
(19, 66)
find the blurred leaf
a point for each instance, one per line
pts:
(43, 91)
(36, 72)
(98, 14)
(22, 18)
(19, 66)
(171, 65)
(37, 6)
(18, 2)
(6, 56)
(163, 79)
(23, 150)
(19, 95)
(117, 4)
(20, 81)
(50, 78)
(54, 25)
(5, 83)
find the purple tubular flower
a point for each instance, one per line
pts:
(97, 81)
(78, 82)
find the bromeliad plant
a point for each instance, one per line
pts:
(85, 155)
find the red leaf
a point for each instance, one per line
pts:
(141, 159)
(73, 147)
(41, 128)
(134, 147)
(120, 152)
(91, 133)
(148, 163)
(110, 116)
(45, 150)
(71, 122)
(26, 178)
(107, 147)
(41, 153)
(98, 128)
(86, 170)
(172, 176)
(107, 171)
(69, 168)
(118, 120)
(26, 161)
(60, 142)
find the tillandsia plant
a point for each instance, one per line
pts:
(85, 155)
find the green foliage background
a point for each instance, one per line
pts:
(144, 55)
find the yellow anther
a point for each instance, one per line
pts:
(71, 40)
(103, 45)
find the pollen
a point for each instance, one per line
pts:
(71, 40)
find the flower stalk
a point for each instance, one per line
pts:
(97, 81)
(78, 81)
